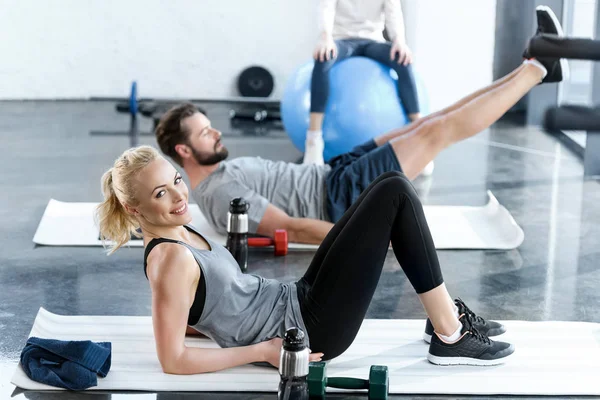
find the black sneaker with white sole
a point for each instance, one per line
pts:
(558, 69)
(547, 23)
(488, 328)
(472, 348)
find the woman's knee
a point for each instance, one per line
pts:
(395, 178)
(389, 174)
(333, 346)
(394, 183)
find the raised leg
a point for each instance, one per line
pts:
(419, 146)
(407, 129)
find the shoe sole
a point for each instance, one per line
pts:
(491, 333)
(554, 19)
(496, 332)
(427, 338)
(447, 361)
(564, 65)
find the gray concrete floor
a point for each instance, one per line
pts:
(49, 153)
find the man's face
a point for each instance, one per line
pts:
(204, 141)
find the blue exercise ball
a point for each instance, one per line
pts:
(363, 103)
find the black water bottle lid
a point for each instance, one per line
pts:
(238, 206)
(294, 340)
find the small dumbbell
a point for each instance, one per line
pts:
(279, 242)
(377, 385)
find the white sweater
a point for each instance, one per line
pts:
(344, 19)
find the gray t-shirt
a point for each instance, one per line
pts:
(297, 189)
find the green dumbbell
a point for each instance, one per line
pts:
(377, 385)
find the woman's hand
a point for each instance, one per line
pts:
(325, 50)
(403, 51)
(271, 351)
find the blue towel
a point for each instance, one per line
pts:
(72, 365)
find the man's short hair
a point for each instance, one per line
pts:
(170, 132)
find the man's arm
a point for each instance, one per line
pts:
(263, 217)
(300, 230)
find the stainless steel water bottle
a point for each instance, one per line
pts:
(237, 231)
(293, 367)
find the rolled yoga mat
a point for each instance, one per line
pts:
(572, 48)
(452, 227)
(551, 358)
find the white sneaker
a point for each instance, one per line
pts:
(313, 153)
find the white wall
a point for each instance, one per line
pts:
(453, 42)
(196, 48)
(174, 48)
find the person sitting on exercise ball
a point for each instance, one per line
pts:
(355, 28)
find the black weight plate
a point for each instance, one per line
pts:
(255, 81)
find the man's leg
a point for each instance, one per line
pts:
(547, 22)
(418, 147)
(410, 153)
(386, 137)
(396, 133)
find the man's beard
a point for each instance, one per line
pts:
(204, 158)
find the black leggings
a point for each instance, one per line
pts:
(339, 284)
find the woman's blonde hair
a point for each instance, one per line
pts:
(115, 223)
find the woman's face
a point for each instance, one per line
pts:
(162, 195)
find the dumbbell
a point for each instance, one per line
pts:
(131, 106)
(255, 114)
(377, 385)
(279, 242)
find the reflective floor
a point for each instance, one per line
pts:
(48, 152)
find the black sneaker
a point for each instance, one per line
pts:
(488, 328)
(473, 348)
(558, 69)
(547, 23)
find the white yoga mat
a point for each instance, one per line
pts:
(452, 227)
(551, 358)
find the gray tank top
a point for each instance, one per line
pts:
(240, 309)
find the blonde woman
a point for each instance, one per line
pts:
(196, 284)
